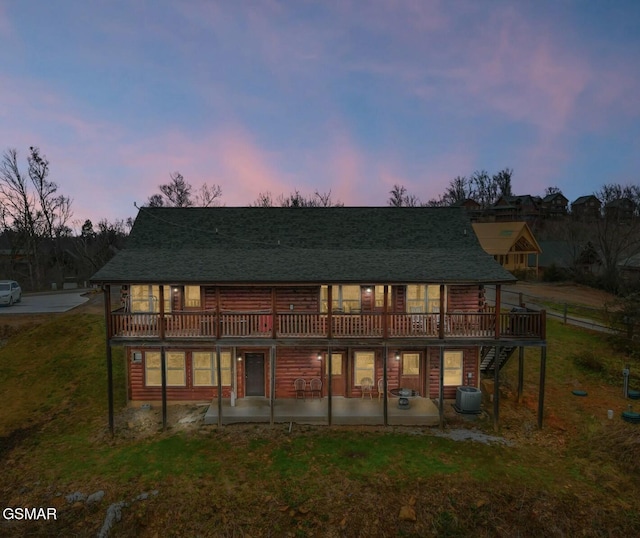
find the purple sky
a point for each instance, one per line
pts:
(347, 96)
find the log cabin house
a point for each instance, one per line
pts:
(384, 308)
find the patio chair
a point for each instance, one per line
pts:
(300, 386)
(315, 386)
(366, 384)
(380, 387)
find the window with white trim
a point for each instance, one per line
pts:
(452, 368)
(205, 371)
(364, 366)
(175, 368)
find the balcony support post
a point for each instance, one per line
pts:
(520, 372)
(163, 376)
(272, 382)
(496, 388)
(498, 306)
(161, 312)
(442, 307)
(330, 375)
(218, 316)
(441, 388)
(385, 317)
(219, 379)
(109, 332)
(329, 317)
(273, 315)
(543, 367)
(385, 360)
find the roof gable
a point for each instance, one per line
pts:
(499, 238)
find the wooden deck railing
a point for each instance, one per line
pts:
(512, 325)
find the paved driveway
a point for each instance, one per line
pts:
(44, 303)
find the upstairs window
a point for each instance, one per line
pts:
(192, 297)
(423, 298)
(146, 298)
(344, 298)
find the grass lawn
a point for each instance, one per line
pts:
(575, 477)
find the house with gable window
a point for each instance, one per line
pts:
(340, 315)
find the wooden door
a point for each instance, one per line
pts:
(254, 374)
(338, 383)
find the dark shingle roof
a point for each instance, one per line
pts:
(277, 245)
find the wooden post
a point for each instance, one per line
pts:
(442, 307)
(441, 388)
(329, 387)
(163, 374)
(543, 367)
(543, 324)
(161, 312)
(219, 380)
(273, 313)
(385, 315)
(329, 313)
(218, 314)
(109, 331)
(498, 306)
(496, 388)
(385, 360)
(564, 314)
(272, 383)
(520, 372)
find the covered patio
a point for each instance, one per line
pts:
(344, 411)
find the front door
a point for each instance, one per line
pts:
(337, 375)
(254, 374)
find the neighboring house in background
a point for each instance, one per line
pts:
(517, 208)
(510, 244)
(586, 208)
(554, 205)
(620, 209)
(473, 208)
(567, 256)
(246, 306)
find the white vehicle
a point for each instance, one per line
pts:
(10, 292)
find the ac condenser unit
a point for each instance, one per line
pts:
(468, 399)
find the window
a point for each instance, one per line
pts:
(410, 363)
(423, 298)
(145, 298)
(205, 371)
(192, 296)
(379, 296)
(336, 364)
(365, 366)
(452, 368)
(345, 298)
(175, 368)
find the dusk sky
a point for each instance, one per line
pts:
(350, 96)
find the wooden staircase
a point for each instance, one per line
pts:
(488, 358)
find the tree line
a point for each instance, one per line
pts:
(39, 245)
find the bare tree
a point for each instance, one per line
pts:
(297, 199)
(616, 239)
(33, 209)
(178, 193)
(400, 198)
(502, 182)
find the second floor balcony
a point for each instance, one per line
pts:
(251, 325)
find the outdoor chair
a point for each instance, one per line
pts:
(366, 384)
(380, 387)
(315, 387)
(300, 386)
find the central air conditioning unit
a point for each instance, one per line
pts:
(468, 400)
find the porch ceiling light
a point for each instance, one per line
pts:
(397, 355)
(319, 356)
(239, 359)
